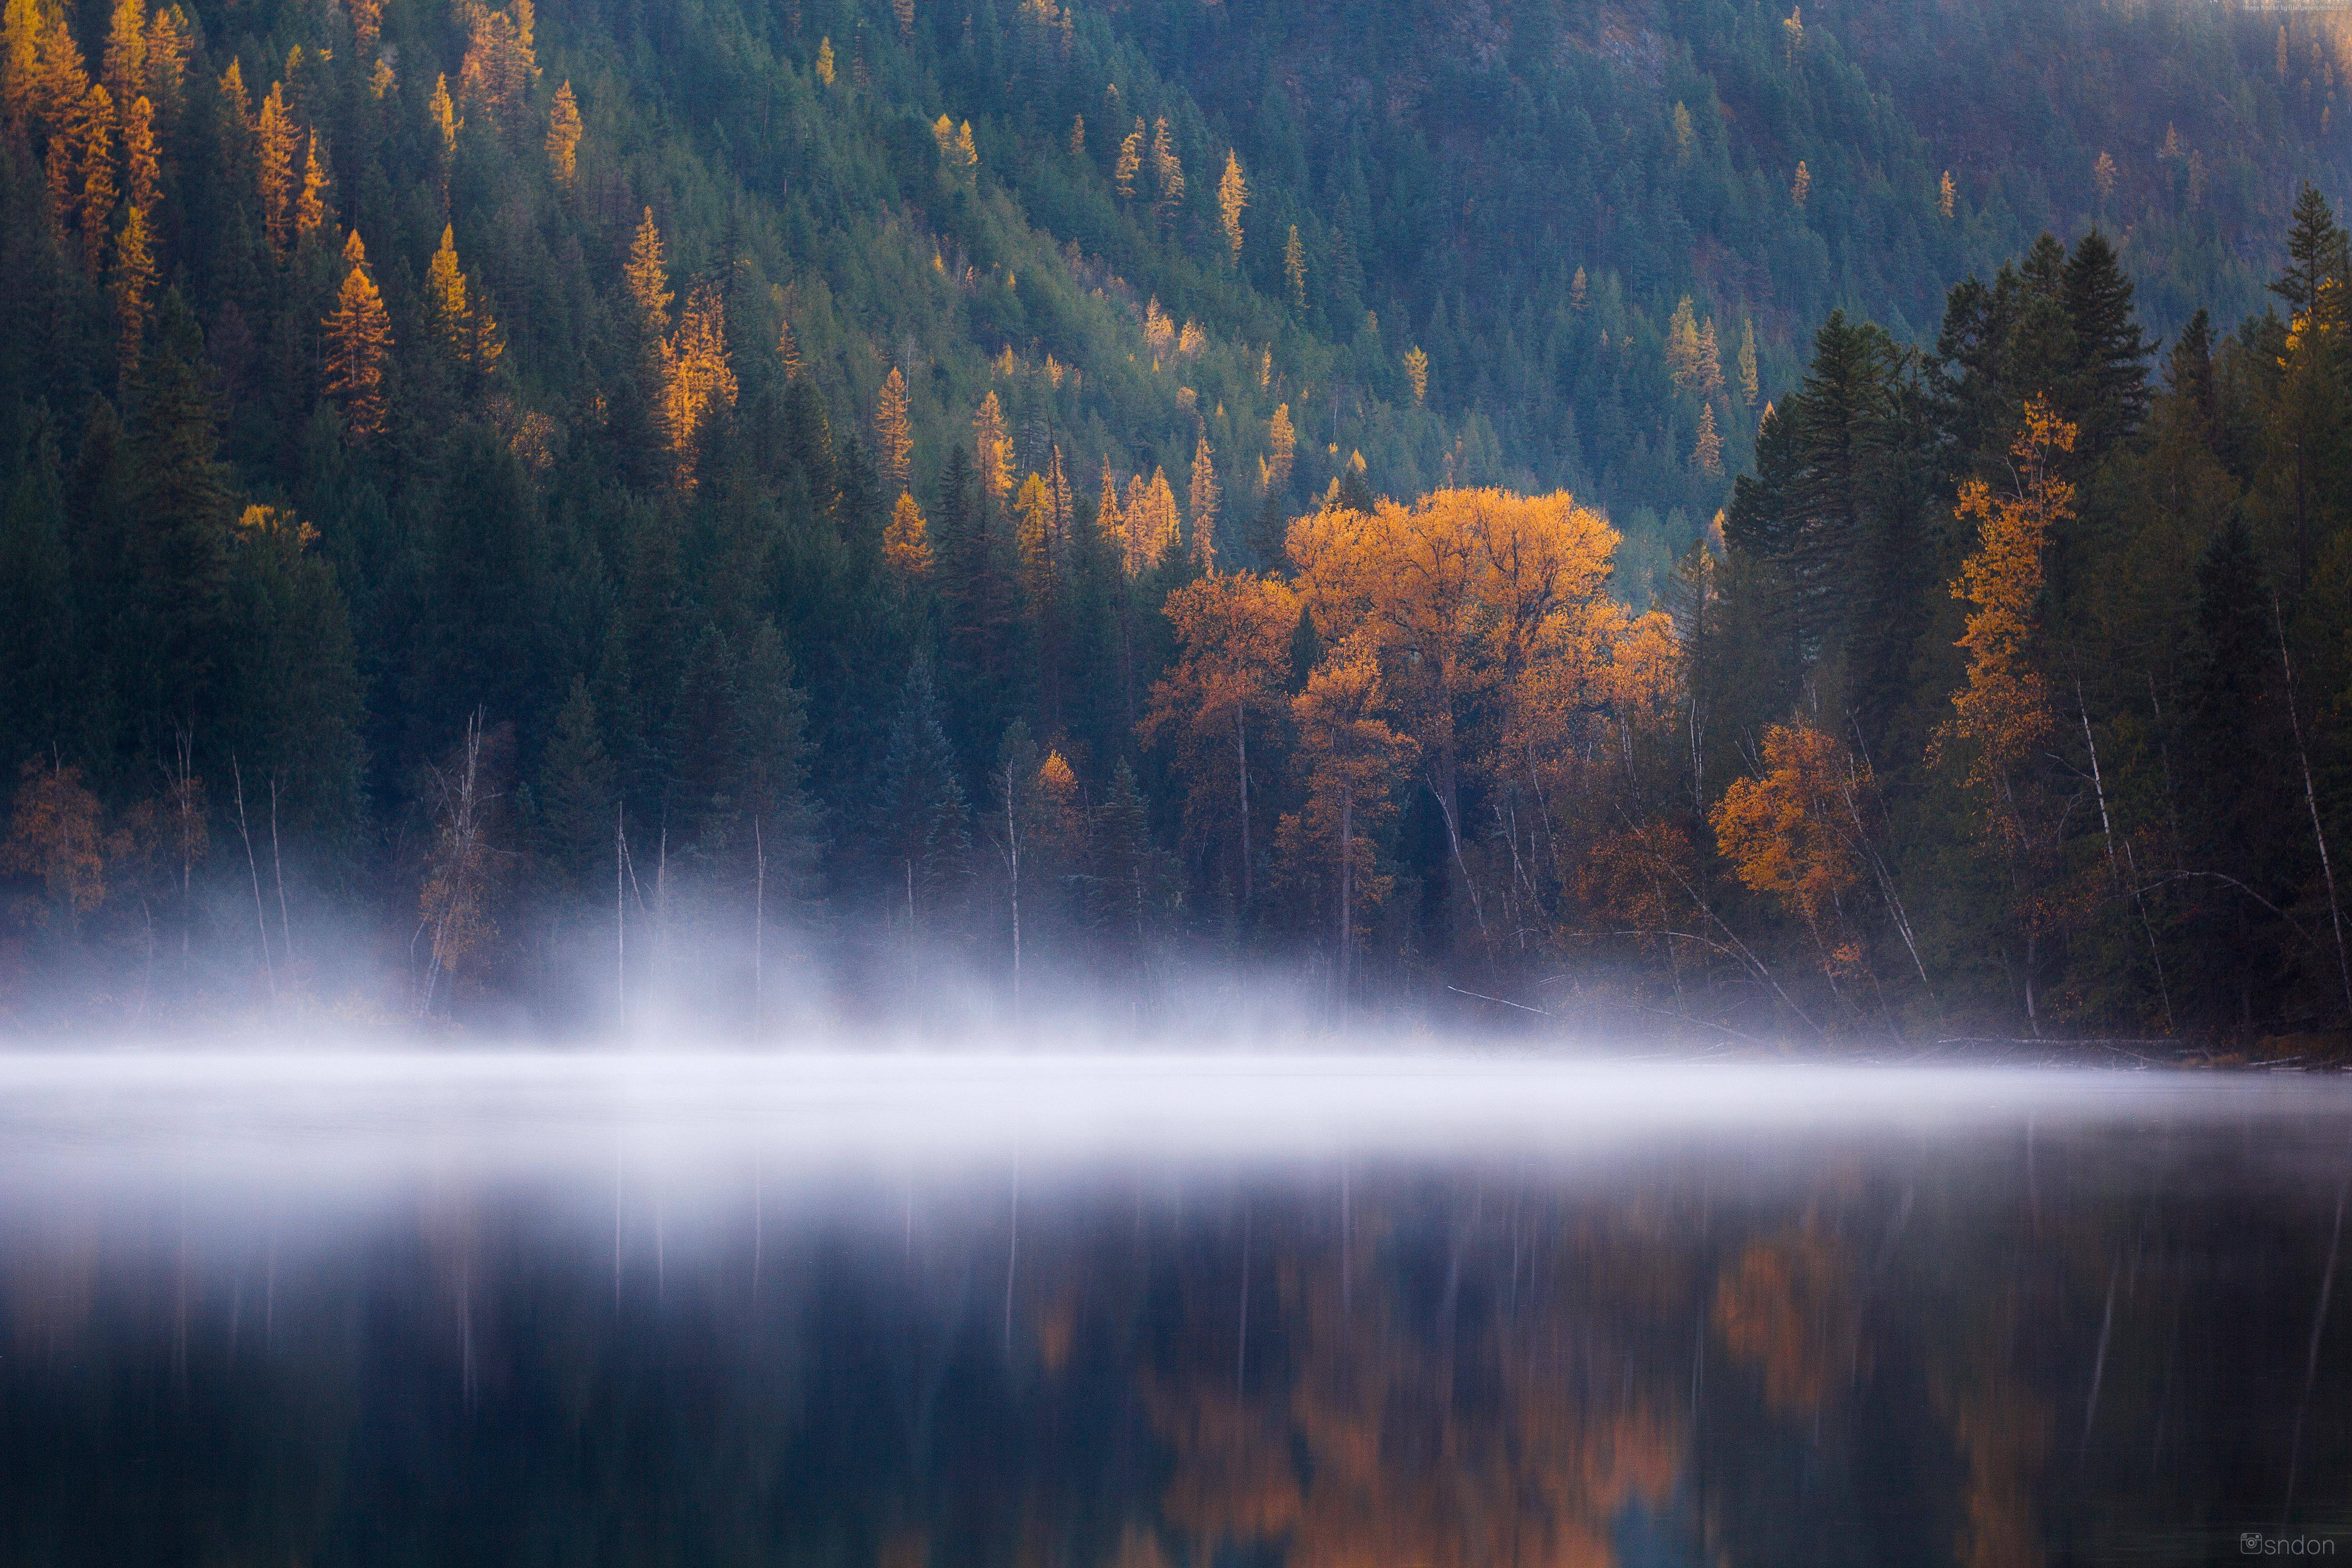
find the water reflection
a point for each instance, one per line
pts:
(2024, 1340)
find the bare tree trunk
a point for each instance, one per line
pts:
(1241, 775)
(260, 924)
(758, 927)
(2311, 800)
(277, 870)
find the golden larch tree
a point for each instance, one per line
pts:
(134, 289)
(1947, 196)
(276, 141)
(563, 136)
(237, 113)
(93, 136)
(991, 448)
(647, 274)
(1578, 296)
(359, 341)
(367, 22)
(1129, 163)
(142, 164)
(894, 431)
(1232, 195)
(444, 118)
(697, 381)
(1802, 185)
(1166, 170)
(501, 64)
(1416, 372)
(125, 70)
(906, 541)
(1205, 495)
(1281, 448)
(903, 12)
(825, 61)
(310, 206)
(788, 349)
(169, 41)
(460, 315)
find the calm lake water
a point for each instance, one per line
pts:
(1145, 1311)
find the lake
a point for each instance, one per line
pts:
(1155, 1310)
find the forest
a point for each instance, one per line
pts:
(1689, 520)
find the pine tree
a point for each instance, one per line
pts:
(2316, 249)
(991, 448)
(563, 136)
(1232, 195)
(1294, 269)
(1124, 873)
(894, 433)
(788, 350)
(578, 788)
(275, 150)
(134, 287)
(2109, 396)
(180, 536)
(1204, 497)
(359, 341)
(1281, 443)
(921, 828)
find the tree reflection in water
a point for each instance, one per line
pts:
(1877, 1352)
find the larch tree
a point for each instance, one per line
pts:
(697, 381)
(310, 206)
(1416, 372)
(1750, 385)
(141, 164)
(359, 341)
(991, 448)
(824, 70)
(1802, 186)
(1706, 454)
(125, 70)
(1129, 163)
(1204, 499)
(461, 319)
(563, 137)
(907, 541)
(1281, 445)
(647, 274)
(894, 433)
(134, 289)
(276, 140)
(93, 136)
(1947, 196)
(1229, 673)
(1232, 195)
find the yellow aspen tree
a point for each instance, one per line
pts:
(648, 279)
(1947, 196)
(563, 136)
(1352, 760)
(1416, 371)
(697, 379)
(93, 135)
(1750, 384)
(56, 832)
(125, 69)
(894, 433)
(444, 117)
(1281, 448)
(1802, 185)
(1294, 268)
(134, 288)
(825, 61)
(1796, 832)
(142, 164)
(358, 340)
(1232, 195)
(906, 541)
(1706, 456)
(275, 172)
(1131, 162)
(991, 448)
(1232, 667)
(311, 207)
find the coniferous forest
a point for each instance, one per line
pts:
(1678, 517)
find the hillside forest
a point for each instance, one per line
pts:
(1685, 518)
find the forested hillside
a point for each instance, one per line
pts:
(908, 485)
